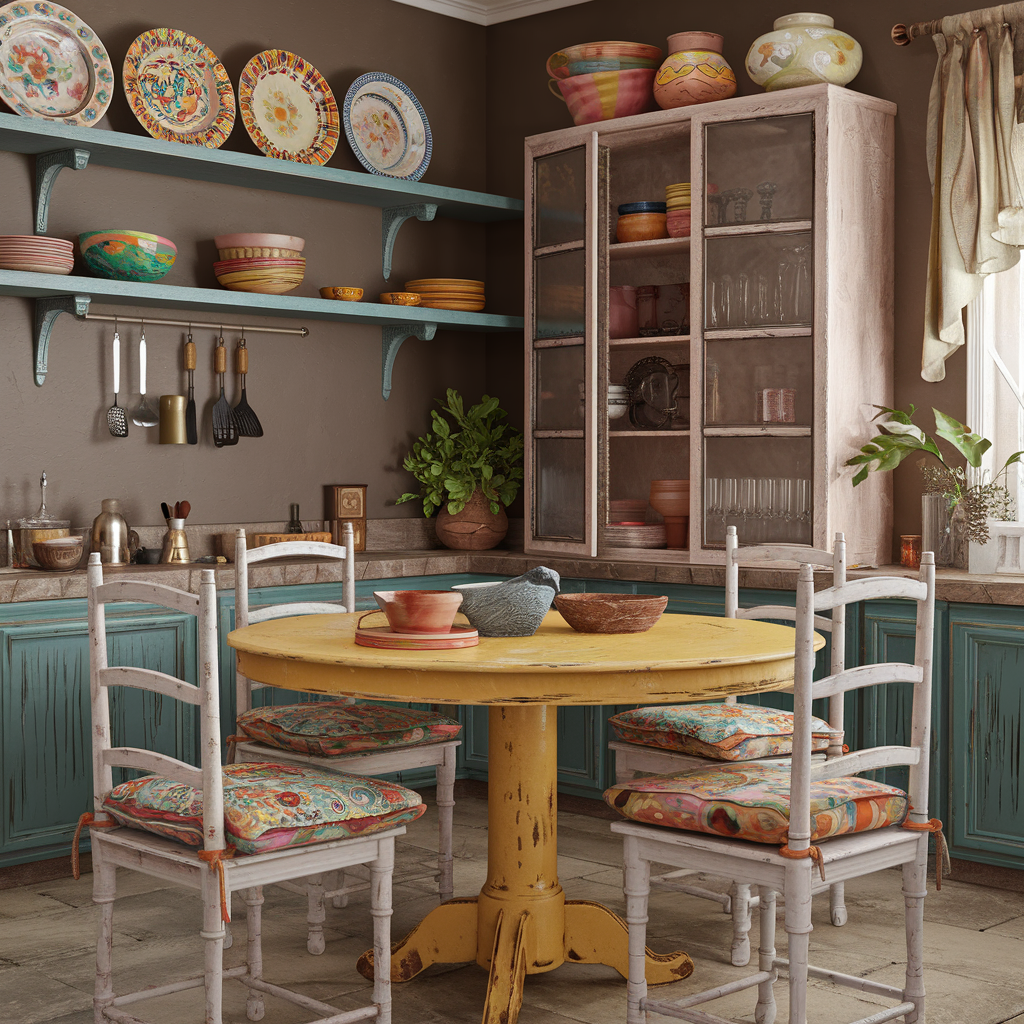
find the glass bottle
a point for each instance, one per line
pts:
(294, 523)
(647, 309)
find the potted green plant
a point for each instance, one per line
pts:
(967, 507)
(469, 471)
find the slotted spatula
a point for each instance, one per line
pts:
(225, 430)
(117, 422)
(247, 421)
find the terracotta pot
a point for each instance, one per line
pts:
(475, 528)
(694, 72)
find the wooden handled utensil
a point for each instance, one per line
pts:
(225, 430)
(191, 433)
(247, 421)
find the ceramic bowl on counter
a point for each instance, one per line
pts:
(611, 613)
(342, 294)
(60, 554)
(514, 607)
(123, 255)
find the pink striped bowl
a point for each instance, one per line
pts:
(607, 94)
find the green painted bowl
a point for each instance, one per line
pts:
(123, 255)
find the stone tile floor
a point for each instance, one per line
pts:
(974, 944)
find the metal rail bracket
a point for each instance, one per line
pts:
(48, 166)
(391, 341)
(47, 311)
(393, 218)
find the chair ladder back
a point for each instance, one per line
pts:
(921, 721)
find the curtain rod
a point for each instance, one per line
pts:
(904, 35)
(111, 318)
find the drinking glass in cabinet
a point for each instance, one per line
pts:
(560, 494)
(760, 381)
(773, 510)
(560, 186)
(560, 294)
(558, 372)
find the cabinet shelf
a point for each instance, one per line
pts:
(759, 430)
(656, 339)
(753, 333)
(759, 227)
(649, 247)
(648, 433)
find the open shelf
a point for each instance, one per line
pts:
(649, 247)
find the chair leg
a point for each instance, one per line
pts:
(837, 903)
(764, 1012)
(915, 887)
(316, 914)
(254, 1007)
(740, 900)
(213, 934)
(445, 775)
(338, 880)
(104, 888)
(636, 874)
(381, 871)
(798, 928)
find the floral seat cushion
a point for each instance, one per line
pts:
(724, 732)
(331, 728)
(751, 801)
(267, 806)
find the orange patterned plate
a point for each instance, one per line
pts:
(384, 637)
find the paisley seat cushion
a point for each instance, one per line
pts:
(330, 728)
(267, 806)
(751, 801)
(724, 732)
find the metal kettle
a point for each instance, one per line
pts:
(111, 535)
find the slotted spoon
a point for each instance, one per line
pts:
(225, 430)
(117, 422)
(247, 421)
(144, 415)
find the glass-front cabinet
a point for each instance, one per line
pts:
(722, 375)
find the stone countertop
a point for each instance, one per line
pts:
(37, 585)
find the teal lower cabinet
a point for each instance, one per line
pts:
(986, 720)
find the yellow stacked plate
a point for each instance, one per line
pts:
(458, 293)
(677, 196)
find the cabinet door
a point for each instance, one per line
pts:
(986, 720)
(47, 752)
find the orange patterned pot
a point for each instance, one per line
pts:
(694, 72)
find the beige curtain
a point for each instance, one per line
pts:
(976, 163)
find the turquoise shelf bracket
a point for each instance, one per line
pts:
(47, 311)
(392, 338)
(392, 219)
(48, 166)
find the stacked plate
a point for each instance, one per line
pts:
(678, 196)
(449, 293)
(37, 254)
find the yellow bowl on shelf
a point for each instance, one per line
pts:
(342, 294)
(400, 298)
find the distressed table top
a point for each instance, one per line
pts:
(682, 657)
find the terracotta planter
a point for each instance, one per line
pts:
(475, 528)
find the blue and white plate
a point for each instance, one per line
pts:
(386, 127)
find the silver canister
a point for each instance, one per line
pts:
(111, 535)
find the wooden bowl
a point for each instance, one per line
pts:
(641, 227)
(58, 555)
(610, 613)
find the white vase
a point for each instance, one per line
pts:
(803, 49)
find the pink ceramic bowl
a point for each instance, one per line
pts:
(607, 94)
(641, 227)
(678, 223)
(419, 611)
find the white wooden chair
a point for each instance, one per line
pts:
(437, 755)
(811, 800)
(632, 759)
(213, 868)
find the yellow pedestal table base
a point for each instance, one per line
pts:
(521, 923)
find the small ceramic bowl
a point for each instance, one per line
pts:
(61, 554)
(678, 223)
(344, 294)
(419, 611)
(514, 607)
(640, 227)
(400, 298)
(646, 207)
(610, 613)
(259, 241)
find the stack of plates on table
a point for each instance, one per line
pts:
(385, 638)
(677, 196)
(630, 535)
(37, 254)
(448, 293)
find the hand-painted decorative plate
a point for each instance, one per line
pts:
(53, 65)
(178, 89)
(386, 127)
(288, 108)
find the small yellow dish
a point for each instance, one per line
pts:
(344, 294)
(400, 298)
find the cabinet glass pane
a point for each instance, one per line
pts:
(760, 170)
(560, 185)
(560, 288)
(560, 488)
(758, 281)
(760, 485)
(759, 380)
(559, 398)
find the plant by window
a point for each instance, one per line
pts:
(973, 505)
(480, 453)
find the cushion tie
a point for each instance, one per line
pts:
(934, 826)
(814, 852)
(216, 858)
(92, 821)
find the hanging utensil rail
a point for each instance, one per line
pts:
(303, 332)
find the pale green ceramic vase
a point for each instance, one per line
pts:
(803, 49)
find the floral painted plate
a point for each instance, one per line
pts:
(288, 108)
(386, 127)
(53, 65)
(178, 89)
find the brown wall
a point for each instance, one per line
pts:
(319, 398)
(519, 104)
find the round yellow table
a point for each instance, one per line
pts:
(521, 923)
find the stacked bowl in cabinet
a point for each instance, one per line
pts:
(263, 263)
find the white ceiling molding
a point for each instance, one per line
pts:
(490, 12)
